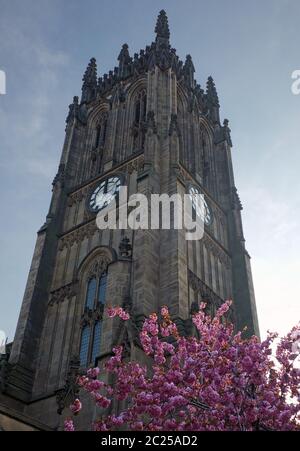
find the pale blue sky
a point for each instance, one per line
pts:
(250, 48)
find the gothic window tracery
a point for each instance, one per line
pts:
(91, 320)
(139, 121)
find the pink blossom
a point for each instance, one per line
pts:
(117, 311)
(93, 372)
(69, 425)
(76, 407)
(220, 381)
(164, 311)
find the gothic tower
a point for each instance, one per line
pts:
(147, 125)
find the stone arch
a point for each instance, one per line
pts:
(95, 263)
(206, 156)
(91, 159)
(94, 115)
(92, 275)
(122, 118)
(100, 253)
(135, 87)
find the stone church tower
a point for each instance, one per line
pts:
(148, 125)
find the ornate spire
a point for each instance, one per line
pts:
(162, 27)
(188, 71)
(211, 92)
(124, 62)
(89, 82)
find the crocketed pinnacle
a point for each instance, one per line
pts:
(162, 26)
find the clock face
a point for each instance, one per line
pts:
(200, 205)
(104, 193)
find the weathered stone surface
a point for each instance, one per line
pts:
(149, 123)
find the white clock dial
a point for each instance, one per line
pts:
(104, 193)
(200, 206)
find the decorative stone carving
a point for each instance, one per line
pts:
(236, 202)
(227, 132)
(216, 250)
(206, 293)
(76, 111)
(62, 293)
(99, 266)
(174, 127)
(70, 391)
(60, 176)
(78, 235)
(150, 123)
(125, 247)
(90, 316)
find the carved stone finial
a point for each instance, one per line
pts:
(162, 26)
(211, 92)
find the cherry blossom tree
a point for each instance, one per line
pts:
(213, 381)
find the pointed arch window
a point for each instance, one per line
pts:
(91, 321)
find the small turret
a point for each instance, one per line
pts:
(124, 62)
(89, 85)
(212, 100)
(188, 72)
